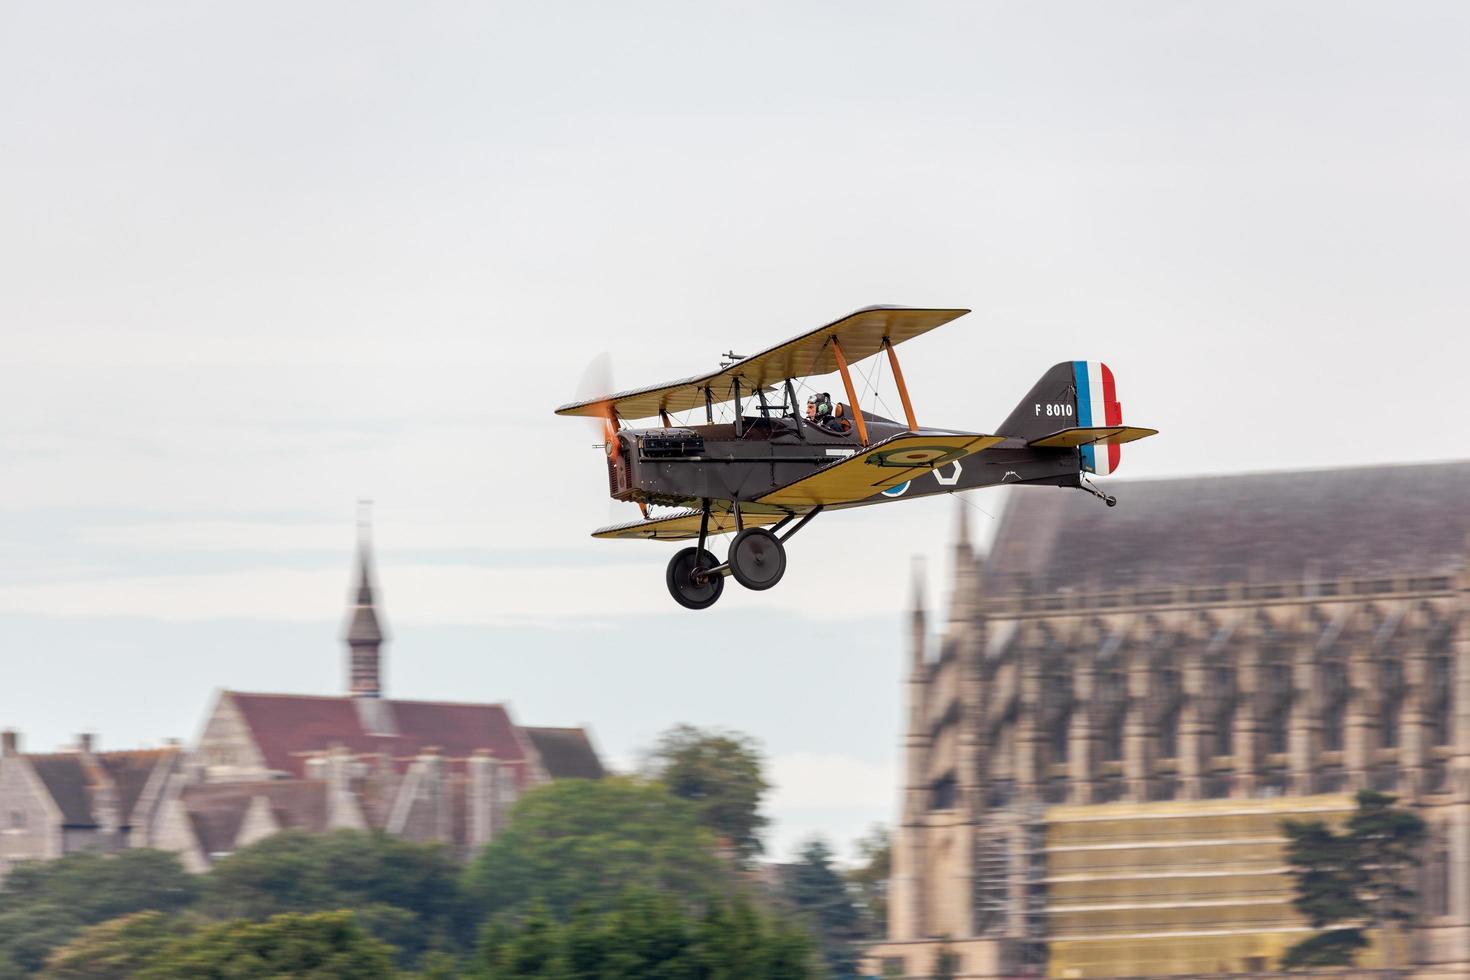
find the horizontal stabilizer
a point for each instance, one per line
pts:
(875, 469)
(683, 525)
(1103, 435)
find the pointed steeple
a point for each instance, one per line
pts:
(364, 633)
(963, 600)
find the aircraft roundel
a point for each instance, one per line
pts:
(898, 490)
(910, 456)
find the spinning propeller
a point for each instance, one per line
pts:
(597, 385)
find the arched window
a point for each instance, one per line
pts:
(1276, 694)
(1440, 693)
(1389, 681)
(1221, 677)
(1057, 700)
(1169, 705)
(1111, 701)
(1335, 695)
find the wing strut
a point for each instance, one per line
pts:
(903, 389)
(857, 413)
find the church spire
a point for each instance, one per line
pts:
(963, 600)
(364, 634)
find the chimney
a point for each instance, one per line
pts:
(9, 742)
(84, 742)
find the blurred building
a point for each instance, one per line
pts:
(1123, 704)
(421, 770)
(58, 803)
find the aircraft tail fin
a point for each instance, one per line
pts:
(1072, 395)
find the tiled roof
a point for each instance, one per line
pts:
(130, 771)
(1264, 527)
(458, 729)
(73, 784)
(566, 753)
(67, 781)
(216, 810)
(289, 727)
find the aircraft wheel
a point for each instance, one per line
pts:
(687, 590)
(757, 558)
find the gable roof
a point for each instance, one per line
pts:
(1375, 521)
(66, 779)
(566, 753)
(289, 727)
(72, 782)
(217, 810)
(130, 772)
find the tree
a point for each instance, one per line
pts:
(583, 842)
(870, 879)
(43, 906)
(720, 772)
(1352, 879)
(646, 935)
(404, 893)
(317, 946)
(815, 888)
(117, 949)
(535, 949)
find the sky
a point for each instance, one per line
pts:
(261, 261)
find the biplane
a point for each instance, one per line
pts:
(773, 467)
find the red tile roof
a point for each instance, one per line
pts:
(288, 727)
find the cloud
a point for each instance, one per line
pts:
(416, 594)
(804, 781)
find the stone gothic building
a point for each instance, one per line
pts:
(422, 770)
(1122, 705)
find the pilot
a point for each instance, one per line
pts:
(819, 409)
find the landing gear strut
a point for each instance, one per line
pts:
(757, 560)
(1106, 498)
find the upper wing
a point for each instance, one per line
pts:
(861, 335)
(683, 525)
(1103, 435)
(880, 466)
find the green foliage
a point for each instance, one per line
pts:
(1335, 947)
(45, 905)
(317, 946)
(721, 774)
(1388, 840)
(1352, 878)
(116, 949)
(1325, 869)
(870, 879)
(821, 895)
(646, 935)
(583, 842)
(404, 893)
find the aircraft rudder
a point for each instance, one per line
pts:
(1071, 394)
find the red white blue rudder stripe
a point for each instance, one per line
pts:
(1097, 405)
